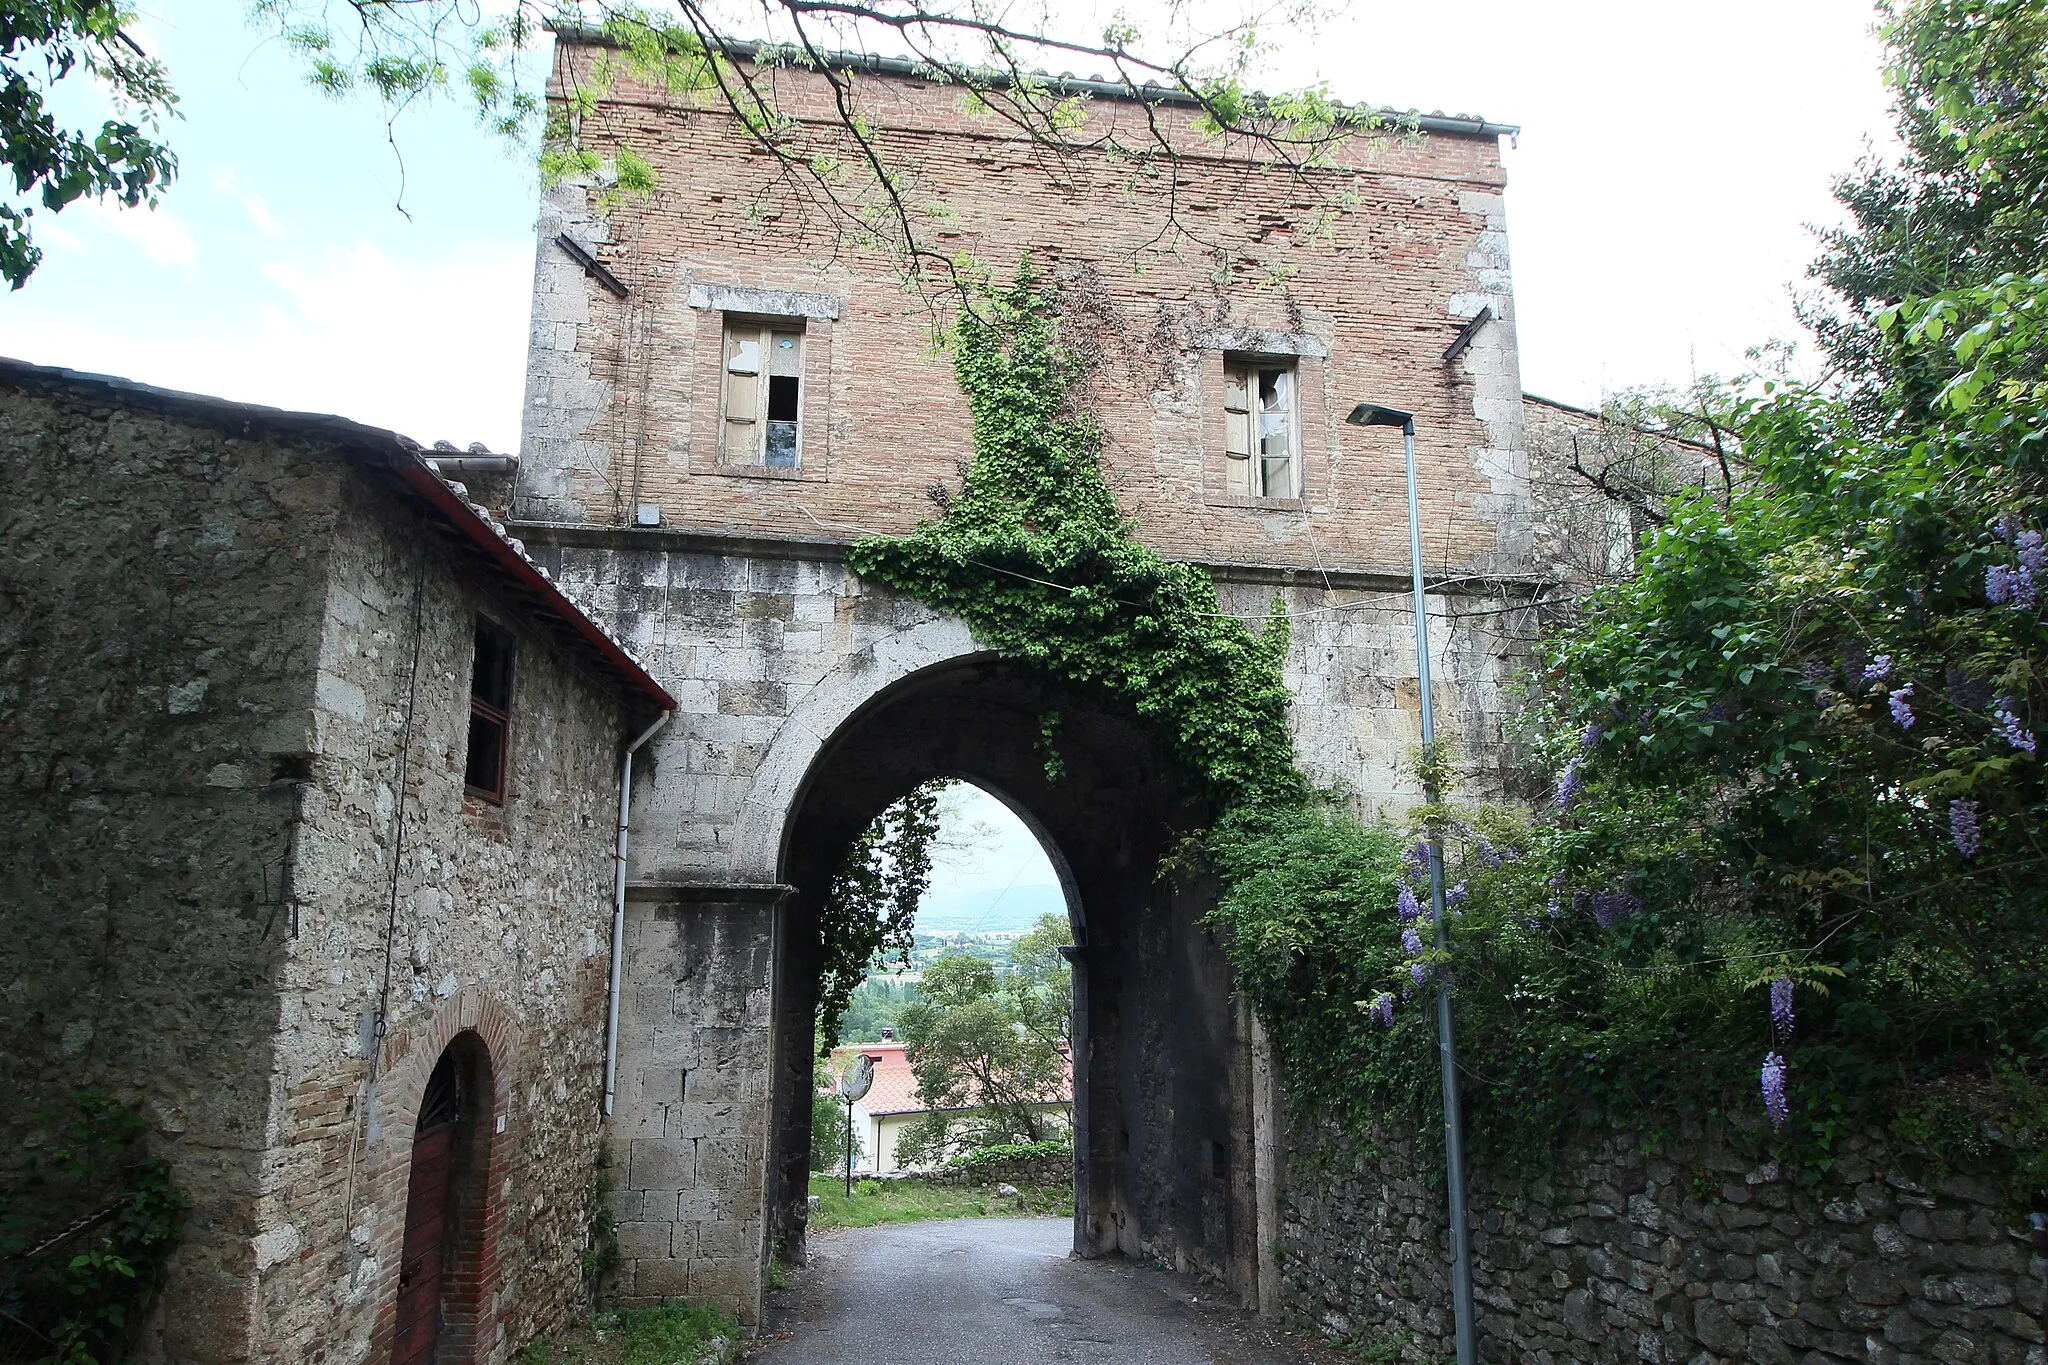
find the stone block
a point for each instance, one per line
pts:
(645, 1241)
(657, 1163)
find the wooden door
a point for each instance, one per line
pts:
(426, 1225)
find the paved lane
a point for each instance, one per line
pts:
(1001, 1291)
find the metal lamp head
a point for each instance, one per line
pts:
(1373, 415)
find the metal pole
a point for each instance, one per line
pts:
(1447, 1052)
(849, 1147)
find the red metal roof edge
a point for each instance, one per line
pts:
(413, 468)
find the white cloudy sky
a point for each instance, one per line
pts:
(1671, 160)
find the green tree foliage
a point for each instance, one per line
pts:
(44, 43)
(828, 1120)
(871, 905)
(87, 1222)
(1791, 870)
(1966, 201)
(875, 1005)
(989, 1048)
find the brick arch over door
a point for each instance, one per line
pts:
(1165, 1133)
(485, 1037)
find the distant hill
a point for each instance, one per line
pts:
(989, 911)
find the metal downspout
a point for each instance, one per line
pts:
(611, 1008)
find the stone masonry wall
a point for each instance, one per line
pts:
(769, 652)
(160, 599)
(502, 927)
(1689, 1254)
(205, 644)
(695, 1041)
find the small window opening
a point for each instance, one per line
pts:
(1219, 1162)
(490, 713)
(760, 428)
(1260, 423)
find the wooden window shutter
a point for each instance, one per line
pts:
(1238, 477)
(740, 439)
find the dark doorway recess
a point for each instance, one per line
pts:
(441, 1263)
(1162, 1075)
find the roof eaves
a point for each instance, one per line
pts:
(401, 456)
(744, 49)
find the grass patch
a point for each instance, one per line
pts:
(874, 1202)
(674, 1334)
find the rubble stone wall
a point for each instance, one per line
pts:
(502, 928)
(206, 632)
(160, 600)
(1687, 1253)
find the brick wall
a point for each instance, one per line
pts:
(622, 394)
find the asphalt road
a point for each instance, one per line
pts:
(1002, 1291)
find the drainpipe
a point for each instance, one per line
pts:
(611, 1009)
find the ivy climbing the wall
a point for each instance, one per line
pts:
(1035, 557)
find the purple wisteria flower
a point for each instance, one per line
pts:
(1556, 907)
(1966, 690)
(1774, 1090)
(1382, 1009)
(1418, 860)
(1406, 906)
(1593, 734)
(1418, 972)
(2005, 716)
(1781, 1006)
(1962, 827)
(1999, 585)
(1569, 784)
(1611, 907)
(1878, 669)
(1454, 894)
(1411, 942)
(2033, 553)
(1726, 709)
(1902, 712)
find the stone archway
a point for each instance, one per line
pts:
(1163, 1105)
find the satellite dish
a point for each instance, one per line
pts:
(858, 1078)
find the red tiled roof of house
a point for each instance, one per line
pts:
(895, 1087)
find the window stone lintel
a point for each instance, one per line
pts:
(788, 303)
(1259, 341)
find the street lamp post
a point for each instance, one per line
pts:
(1373, 415)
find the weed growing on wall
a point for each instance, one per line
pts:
(87, 1222)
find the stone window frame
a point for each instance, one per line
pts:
(816, 316)
(1309, 356)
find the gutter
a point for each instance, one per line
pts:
(611, 1008)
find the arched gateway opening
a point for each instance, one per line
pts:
(1164, 1115)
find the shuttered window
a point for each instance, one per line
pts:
(762, 403)
(1261, 430)
(490, 713)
